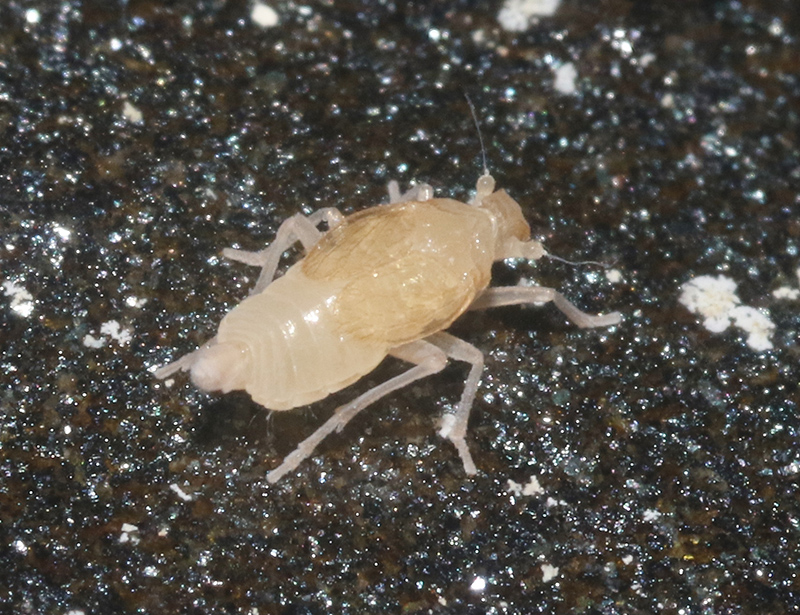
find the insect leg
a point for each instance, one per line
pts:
(531, 250)
(454, 426)
(394, 192)
(428, 359)
(515, 295)
(297, 228)
(184, 363)
(331, 215)
(418, 192)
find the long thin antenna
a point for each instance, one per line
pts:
(478, 128)
(568, 262)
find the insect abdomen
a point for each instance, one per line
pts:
(297, 352)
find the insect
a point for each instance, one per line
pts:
(386, 281)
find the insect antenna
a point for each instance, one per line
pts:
(576, 263)
(486, 174)
(480, 135)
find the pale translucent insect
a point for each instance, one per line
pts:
(385, 281)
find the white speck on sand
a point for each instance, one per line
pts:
(651, 514)
(181, 493)
(647, 59)
(713, 298)
(566, 74)
(786, 292)
(531, 488)
(63, 233)
(517, 15)
(549, 573)
(716, 301)
(128, 533)
(791, 469)
(131, 113)
(756, 324)
(21, 299)
(614, 276)
(447, 424)
(113, 329)
(264, 15)
(478, 584)
(90, 341)
(135, 302)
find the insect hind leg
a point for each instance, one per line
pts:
(297, 228)
(429, 359)
(454, 426)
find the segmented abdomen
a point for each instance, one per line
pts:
(298, 353)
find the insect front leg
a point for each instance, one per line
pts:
(515, 295)
(531, 250)
(428, 360)
(454, 426)
(297, 228)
